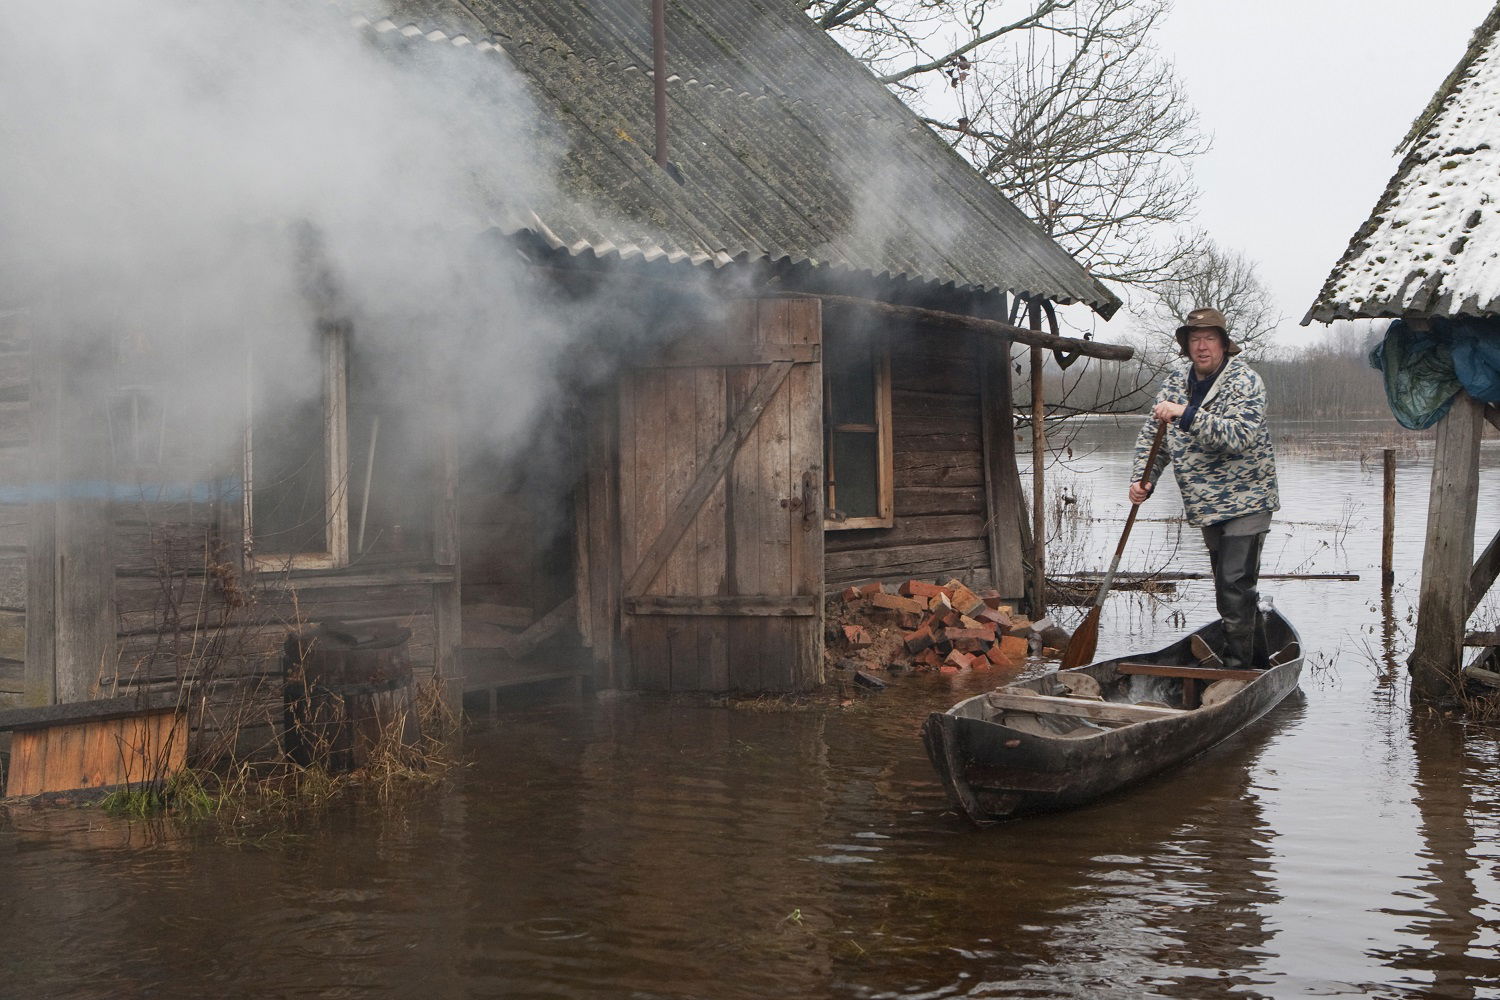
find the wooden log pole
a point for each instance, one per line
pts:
(1038, 473)
(1442, 608)
(1388, 523)
(938, 319)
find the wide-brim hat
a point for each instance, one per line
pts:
(1205, 319)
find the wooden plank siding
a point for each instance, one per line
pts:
(940, 504)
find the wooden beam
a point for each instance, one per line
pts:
(1198, 673)
(751, 605)
(1099, 711)
(1443, 604)
(1482, 675)
(708, 477)
(959, 323)
(696, 354)
(1482, 576)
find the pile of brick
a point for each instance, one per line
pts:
(926, 626)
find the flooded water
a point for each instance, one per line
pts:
(648, 849)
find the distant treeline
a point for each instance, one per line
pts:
(1316, 383)
(1320, 384)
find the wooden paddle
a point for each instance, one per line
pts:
(1086, 639)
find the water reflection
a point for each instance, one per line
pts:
(1453, 925)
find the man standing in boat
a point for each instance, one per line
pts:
(1219, 445)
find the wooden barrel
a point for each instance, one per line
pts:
(345, 689)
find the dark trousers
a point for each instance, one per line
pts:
(1236, 565)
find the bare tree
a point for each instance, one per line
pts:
(1223, 279)
(1065, 105)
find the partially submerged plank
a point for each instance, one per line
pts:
(1197, 673)
(1099, 711)
(85, 711)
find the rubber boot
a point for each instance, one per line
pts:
(1236, 574)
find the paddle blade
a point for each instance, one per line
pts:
(1085, 640)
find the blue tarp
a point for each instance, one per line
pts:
(1425, 369)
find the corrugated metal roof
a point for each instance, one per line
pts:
(790, 150)
(1432, 246)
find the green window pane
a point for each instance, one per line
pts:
(289, 502)
(850, 368)
(856, 474)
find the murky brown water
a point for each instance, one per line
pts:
(637, 848)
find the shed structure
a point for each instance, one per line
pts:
(1431, 251)
(808, 333)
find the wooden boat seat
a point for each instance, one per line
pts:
(1195, 673)
(1013, 700)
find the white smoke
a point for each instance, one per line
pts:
(180, 178)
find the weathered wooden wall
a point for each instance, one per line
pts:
(15, 433)
(940, 504)
(188, 615)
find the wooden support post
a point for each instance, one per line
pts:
(70, 598)
(1388, 523)
(1443, 606)
(1003, 505)
(1038, 474)
(447, 597)
(39, 677)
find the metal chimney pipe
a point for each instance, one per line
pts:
(659, 75)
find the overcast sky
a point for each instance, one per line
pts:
(1306, 99)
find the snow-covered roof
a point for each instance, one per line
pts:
(1432, 246)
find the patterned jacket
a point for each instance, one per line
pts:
(1224, 462)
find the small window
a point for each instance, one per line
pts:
(857, 431)
(296, 461)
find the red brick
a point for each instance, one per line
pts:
(959, 659)
(1014, 647)
(919, 640)
(920, 588)
(894, 602)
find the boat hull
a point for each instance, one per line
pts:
(994, 771)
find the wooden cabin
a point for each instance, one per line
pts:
(788, 387)
(1429, 255)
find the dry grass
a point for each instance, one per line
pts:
(237, 793)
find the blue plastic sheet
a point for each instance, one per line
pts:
(1425, 369)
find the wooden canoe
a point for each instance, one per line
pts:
(1062, 739)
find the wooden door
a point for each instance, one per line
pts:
(721, 511)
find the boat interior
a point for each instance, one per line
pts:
(1092, 700)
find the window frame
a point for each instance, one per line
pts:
(334, 357)
(885, 447)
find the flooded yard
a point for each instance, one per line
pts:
(646, 848)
